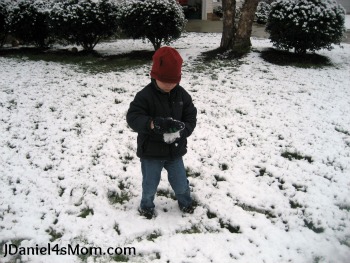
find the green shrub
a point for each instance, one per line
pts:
(159, 21)
(305, 24)
(218, 11)
(262, 12)
(84, 22)
(29, 22)
(4, 24)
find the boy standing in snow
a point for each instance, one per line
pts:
(164, 116)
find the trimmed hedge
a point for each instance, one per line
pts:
(305, 25)
(84, 22)
(159, 21)
(29, 22)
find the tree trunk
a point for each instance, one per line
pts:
(229, 27)
(242, 43)
(236, 35)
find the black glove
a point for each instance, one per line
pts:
(167, 125)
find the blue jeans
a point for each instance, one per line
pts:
(151, 172)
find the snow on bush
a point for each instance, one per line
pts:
(306, 24)
(159, 21)
(218, 11)
(84, 22)
(262, 12)
(29, 22)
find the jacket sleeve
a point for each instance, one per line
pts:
(138, 115)
(189, 115)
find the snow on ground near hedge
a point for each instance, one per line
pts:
(67, 155)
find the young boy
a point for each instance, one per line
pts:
(164, 116)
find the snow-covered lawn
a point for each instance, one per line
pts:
(269, 161)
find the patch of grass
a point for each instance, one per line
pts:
(116, 198)
(345, 241)
(241, 112)
(220, 53)
(341, 130)
(13, 105)
(295, 155)
(284, 58)
(77, 128)
(84, 257)
(248, 208)
(211, 215)
(95, 158)
(85, 212)
(116, 228)
(48, 167)
(281, 183)
(166, 193)
(54, 234)
(219, 178)
(120, 258)
(154, 235)
(192, 174)
(224, 166)
(301, 188)
(229, 227)
(345, 207)
(39, 105)
(240, 142)
(10, 145)
(117, 90)
(17, 243)
(318, 259)
(121, 185)
(127, 158)
(215, 59)
(61, 191)
(262, 172)
(193, 230)
(86, 61)
(310, 225)
(294, 204)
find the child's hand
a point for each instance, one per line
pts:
(167, 125)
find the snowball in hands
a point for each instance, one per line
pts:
(171, 137)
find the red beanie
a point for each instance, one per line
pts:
(167, 65)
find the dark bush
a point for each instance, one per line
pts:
(262, 12)
(305, 24)
(4, 25)
(218, 11)
(29, 22)
(159, 21)
(84, 22)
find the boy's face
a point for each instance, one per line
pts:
(165, 86)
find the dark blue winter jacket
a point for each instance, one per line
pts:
(152, 102)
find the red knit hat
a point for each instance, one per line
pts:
(167, 65)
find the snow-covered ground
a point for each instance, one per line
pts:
(67, 158)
